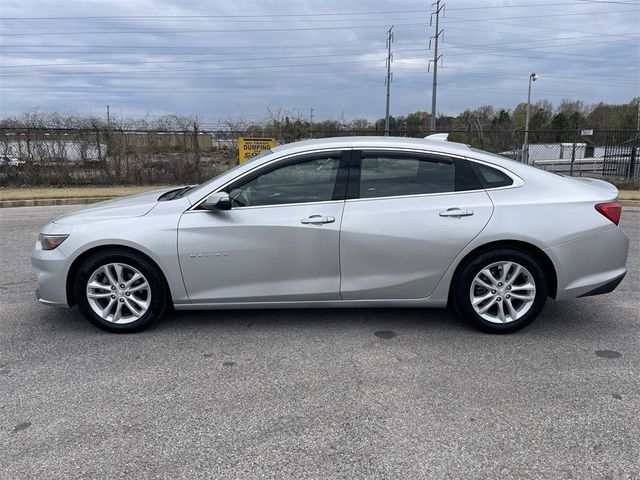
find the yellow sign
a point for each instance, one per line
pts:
(250, 147)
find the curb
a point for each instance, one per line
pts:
(47, 202)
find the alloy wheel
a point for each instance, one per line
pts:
(118, 293)
(502, 292)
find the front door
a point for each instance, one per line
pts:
(406, 218)
(279, 241)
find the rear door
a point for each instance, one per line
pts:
(406, 218)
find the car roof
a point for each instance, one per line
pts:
(433, 144)
(430, 144)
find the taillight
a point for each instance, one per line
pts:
(611, 210)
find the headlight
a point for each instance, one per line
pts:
(49, 242)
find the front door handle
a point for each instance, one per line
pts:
(317, 220)
(456, 212)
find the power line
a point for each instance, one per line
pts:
(521, 25)
(303, 15)
(334, 88)
(248, 67)
(368, 75)
(194, 23)
(547, 76)
(197, 47)
(199, 60)
(543, 57)
(541, 5)
(162, 17)
(463, 20)
(404, 73)
(489, 47)
(183, 47)
(608, 1)
(146, 72)
(171, 31)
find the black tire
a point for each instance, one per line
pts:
(158, 288)
(464, 279)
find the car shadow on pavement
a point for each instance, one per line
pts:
(588, 317)
(334, 318)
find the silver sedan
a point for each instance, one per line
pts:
(342, 222)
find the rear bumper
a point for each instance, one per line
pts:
(590, 265)
(606, 288)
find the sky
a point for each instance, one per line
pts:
(221, 60)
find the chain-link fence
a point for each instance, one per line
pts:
(605, 154)
(30, 156)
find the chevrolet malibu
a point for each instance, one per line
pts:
(342, 222)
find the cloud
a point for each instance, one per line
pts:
(238, 59)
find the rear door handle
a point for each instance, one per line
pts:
(317, 219)
(456, 212)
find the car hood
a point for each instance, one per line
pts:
(130, 206)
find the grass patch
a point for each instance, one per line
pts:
(72, 192)
(630, 195)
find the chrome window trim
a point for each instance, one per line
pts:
(517, 181)
(280, 205)
(413, 195)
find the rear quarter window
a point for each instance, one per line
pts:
(491, 177)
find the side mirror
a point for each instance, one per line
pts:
(217, 201)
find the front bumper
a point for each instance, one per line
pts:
(50, 267)
(48, 302)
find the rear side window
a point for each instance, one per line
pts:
(490, 177)
(385, 175)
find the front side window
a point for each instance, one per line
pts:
(311, 180)
(390, 176)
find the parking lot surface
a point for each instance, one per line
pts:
(366, 393)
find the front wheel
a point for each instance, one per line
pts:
(500, 291)
(120, 291)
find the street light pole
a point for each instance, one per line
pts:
(525, 147)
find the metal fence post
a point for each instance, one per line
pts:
(632, 162)
(573, 155)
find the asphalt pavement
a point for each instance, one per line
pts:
(366, 393)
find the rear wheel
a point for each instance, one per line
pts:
(120, 291)
(500, 291)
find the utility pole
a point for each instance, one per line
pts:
(108, 118)
(388, 79)
(311, 124)
(439, 6)
(525, 146)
